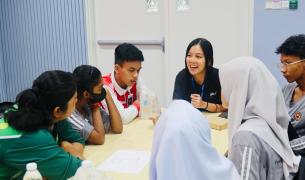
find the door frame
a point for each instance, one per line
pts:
(92, 41)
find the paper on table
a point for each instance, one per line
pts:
(125, 161)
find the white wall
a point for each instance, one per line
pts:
(227, 24)
(269, 33)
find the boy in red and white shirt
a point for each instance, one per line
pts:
(124, 83)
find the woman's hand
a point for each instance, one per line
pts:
(197, 102)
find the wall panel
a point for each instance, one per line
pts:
(38, 36)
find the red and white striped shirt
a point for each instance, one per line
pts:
(123, 98)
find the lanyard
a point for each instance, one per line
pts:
(202, 88)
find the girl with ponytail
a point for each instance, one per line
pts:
(36, 129)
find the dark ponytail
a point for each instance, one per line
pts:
(30, 113)
(35, 106)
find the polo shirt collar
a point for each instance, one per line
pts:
(118, 88)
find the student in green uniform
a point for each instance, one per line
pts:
(35, 130)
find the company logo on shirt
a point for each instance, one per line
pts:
(213, 93)
(297, 116)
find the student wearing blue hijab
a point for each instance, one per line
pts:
(182, 147)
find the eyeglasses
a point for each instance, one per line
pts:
(285, 64)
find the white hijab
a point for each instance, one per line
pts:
(254, 96)
(182, 147)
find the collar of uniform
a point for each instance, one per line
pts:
(118, 88)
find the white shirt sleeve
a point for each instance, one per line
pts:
(127, 114)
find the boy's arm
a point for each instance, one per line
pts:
(127, 114)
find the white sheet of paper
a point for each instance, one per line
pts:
(125, 161)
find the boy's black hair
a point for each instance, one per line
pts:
(294, 45)
(127, 52)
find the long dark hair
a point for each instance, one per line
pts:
(35, 106)
(206, 47)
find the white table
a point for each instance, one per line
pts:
(138, 136)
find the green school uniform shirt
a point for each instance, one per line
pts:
(18, 148)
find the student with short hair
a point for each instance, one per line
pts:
(35, 130)
(292, 65)
(124, 84)
(258, 121)
(89, 119)
(198, 83)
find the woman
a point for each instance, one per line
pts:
(198, 83)
(36, 125)
(182, 147)
(258, 121)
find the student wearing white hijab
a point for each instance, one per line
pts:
(258, 121)
(182, 148)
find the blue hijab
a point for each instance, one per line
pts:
(182, 147)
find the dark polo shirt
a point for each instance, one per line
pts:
(210, 90)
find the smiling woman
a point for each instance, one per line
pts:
(198, 83)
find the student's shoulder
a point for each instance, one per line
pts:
(183, 74)
(212, 77)
(212, 71)
(244, 136)
(247, 138)
(107, 79)
(41, 136)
